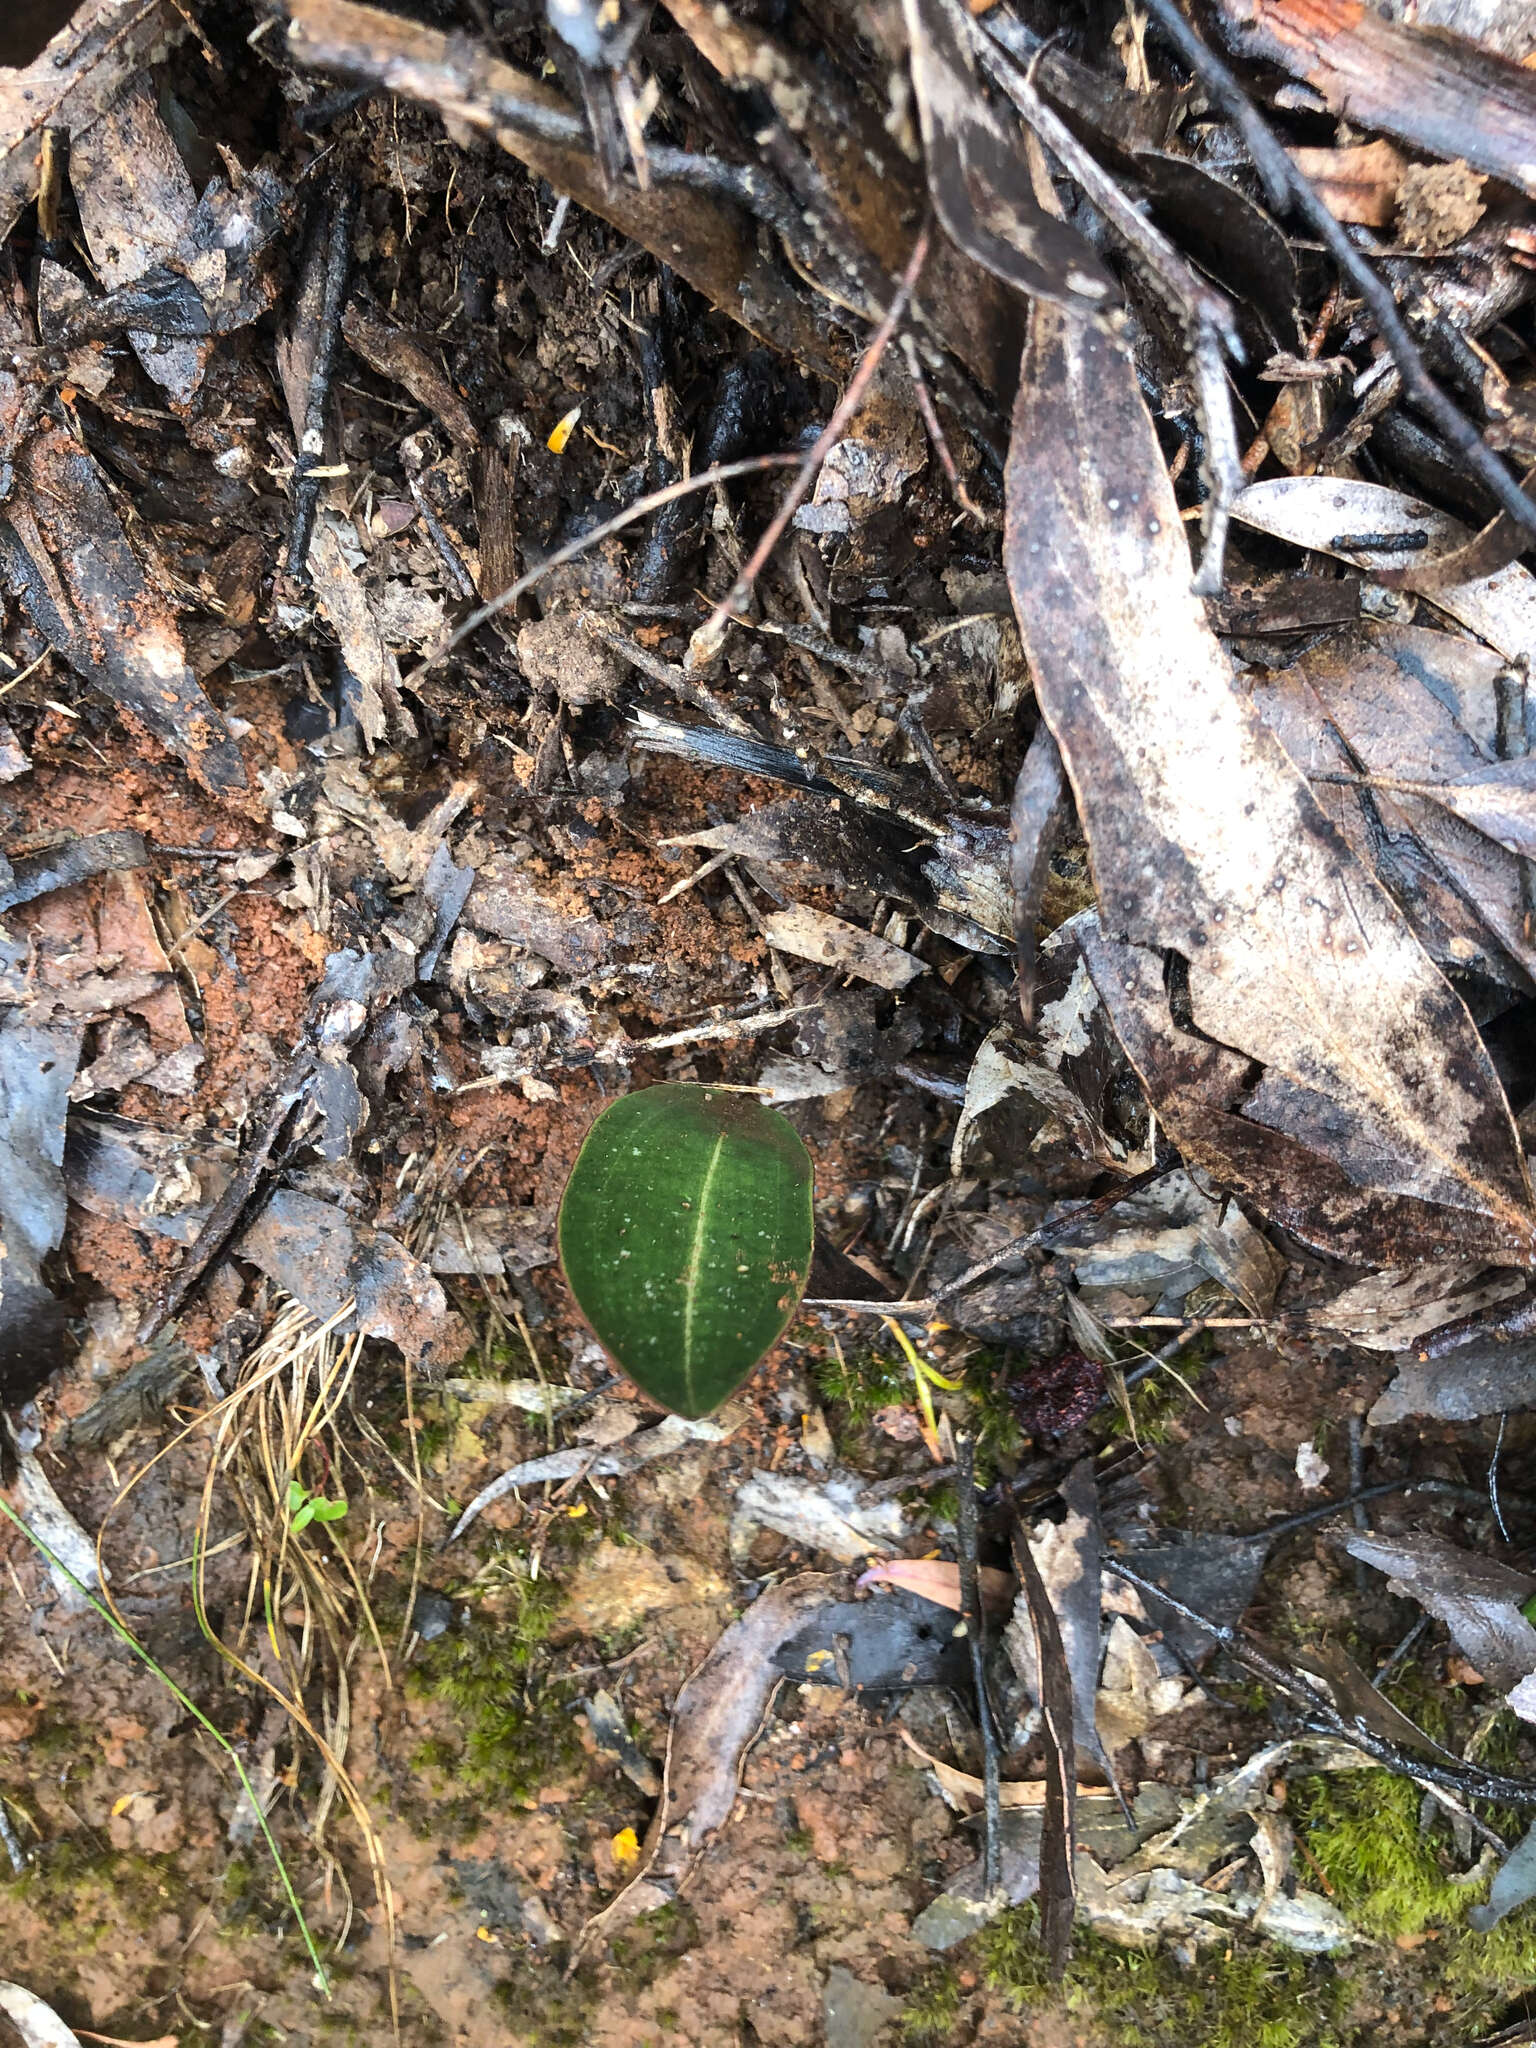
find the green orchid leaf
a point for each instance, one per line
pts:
(685, 1234)
(329, 1510)
(304, 1517)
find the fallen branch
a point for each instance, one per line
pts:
(975, 1628)
(1467, 1780)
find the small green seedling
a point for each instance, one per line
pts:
(305, 1507)
(686, 1232)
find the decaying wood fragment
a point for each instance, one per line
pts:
(704, 238)
(64, 555)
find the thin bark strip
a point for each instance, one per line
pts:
(1040, 803)
(975, 1628)
(1058, 1886)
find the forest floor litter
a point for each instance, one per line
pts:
(959, 572)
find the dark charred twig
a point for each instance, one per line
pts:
(1520, 2035)
(754, 190)
(706, 640)
(306, 486)
(1287, 186)
(448, 554)
(1379, 543)
(642, 508)
(908, 1482)
(1384, 1671)
(911, 723)
(1357, 1497)
(1034, 1240)
(811, 642)
(975, 1629)
(232, 1207)
(1468, 1781)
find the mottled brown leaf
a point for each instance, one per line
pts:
(979, 175)
(1298, 1042)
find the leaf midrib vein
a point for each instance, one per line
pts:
(695, 1253)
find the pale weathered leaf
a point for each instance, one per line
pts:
(1387, 1311)
(1477, 1379)
(1514, 1884)
(1500, 800)
(716, 1714)
(1058, 1884)
(1136, 1689)
(1327, 513)
(829, 1516)
(1407, 705)
(672, 1433)
(1375, 1111)
(37, 2023)
(1477, 1598)
(996, 1073)
(832, 942)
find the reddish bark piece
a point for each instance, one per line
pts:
(1443, 94)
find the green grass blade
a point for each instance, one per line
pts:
(322, 1976)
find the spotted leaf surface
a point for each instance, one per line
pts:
(686, 1234)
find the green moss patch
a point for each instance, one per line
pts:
(518, 1734)
(1245, 1995)
(1397, 1880)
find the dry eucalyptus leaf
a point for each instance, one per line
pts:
(1376, 1116)
(1387, 1311)
(1329, 513)
(716, 1714)
(1477, 1598)
(833, 942)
